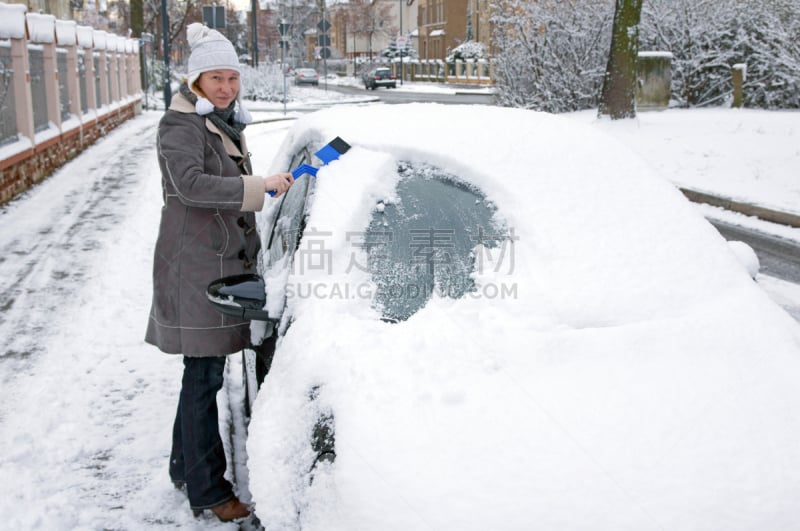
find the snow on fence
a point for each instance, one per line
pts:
(62, 86)
(470, 71)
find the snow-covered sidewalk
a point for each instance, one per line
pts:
(86, 407)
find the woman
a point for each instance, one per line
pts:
(207, 231)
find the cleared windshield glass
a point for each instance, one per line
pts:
(425, 240)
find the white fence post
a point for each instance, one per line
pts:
(42, 30)
(67, 38)
(13, 28)
(86, 41)
(100, 46)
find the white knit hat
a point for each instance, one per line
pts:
(211, 51)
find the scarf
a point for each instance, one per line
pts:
(225, 119)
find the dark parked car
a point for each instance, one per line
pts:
(306, 76)
(379, 77)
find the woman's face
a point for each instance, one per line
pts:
(220, 86)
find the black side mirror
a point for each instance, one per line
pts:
(240, 296)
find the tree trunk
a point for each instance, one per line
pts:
(619, 85)
(137, 18)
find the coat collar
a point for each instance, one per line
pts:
(181, 104)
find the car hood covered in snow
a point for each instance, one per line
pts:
(616, 367)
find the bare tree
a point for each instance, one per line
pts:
(180, 14)
(550, 55)
(370, 17)
(618, 98)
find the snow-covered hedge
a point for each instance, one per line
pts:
(264, 83)
(551, 55)
(467, 50)
(708, 37)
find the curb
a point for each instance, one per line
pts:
(767, 214)
(270, 120)
(468, 93)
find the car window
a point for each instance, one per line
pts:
(288, 225)
(425, 240)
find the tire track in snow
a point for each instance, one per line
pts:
(87, 406)
(48, 232)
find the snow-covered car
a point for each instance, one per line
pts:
(493, 318)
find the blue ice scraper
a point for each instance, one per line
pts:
(329, 152)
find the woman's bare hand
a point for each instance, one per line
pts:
(280, 182)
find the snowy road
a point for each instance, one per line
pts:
(86, 408)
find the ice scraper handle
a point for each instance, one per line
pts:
(329, 152)
(299, 172)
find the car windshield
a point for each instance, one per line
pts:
(424, 241)
(383, 72)
(306, 72)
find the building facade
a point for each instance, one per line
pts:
(363, 29)
(445, 24)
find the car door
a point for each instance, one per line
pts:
(284, 231)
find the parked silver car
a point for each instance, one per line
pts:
(306, 76)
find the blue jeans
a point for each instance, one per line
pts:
(198, 457)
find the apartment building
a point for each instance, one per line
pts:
(444, 24)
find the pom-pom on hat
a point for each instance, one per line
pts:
(210, 51)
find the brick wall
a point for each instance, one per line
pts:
(31, 166)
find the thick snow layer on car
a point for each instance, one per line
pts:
(633, 376)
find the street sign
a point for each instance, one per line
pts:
(283, 28)
(324, 26)
(325, 53)
(324, 40)
(284, 44)
(214, 16)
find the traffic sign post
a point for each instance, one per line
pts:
(214, 16)
(397, 42)
(324, 42)
(283, 29)
(165, 36)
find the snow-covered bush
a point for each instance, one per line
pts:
(467, 50)
(264, 83)
(707, 37)
(551, 55)
(155, 75)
